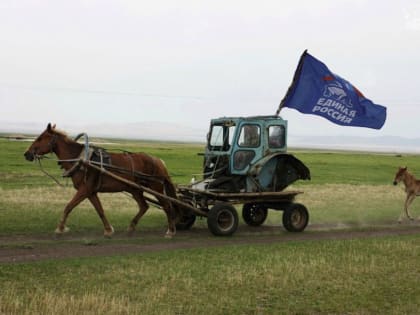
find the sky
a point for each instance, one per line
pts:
(180, 63)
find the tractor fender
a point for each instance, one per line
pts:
(276, 171)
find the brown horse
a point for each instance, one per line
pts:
(412, 188)
(88, 182)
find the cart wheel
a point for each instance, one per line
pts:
(222, 219)
(254, 214)
(187, 218)
(295, 217)
(186, 221)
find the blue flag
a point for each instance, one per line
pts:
(316, 90)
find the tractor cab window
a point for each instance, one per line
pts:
(249, 136)
(276, 136)
(220, 137)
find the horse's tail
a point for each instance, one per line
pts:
(171, 192)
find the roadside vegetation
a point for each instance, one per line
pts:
(348, 192)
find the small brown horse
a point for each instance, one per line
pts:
(412, 188)
(88, 182)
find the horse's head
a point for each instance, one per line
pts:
(44, 144)
(400, 174)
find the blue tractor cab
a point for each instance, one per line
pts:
(249, 154)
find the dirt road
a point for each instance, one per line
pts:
(28, 248)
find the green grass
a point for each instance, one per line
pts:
(351, 190)
(37, 210)
(356, 168)
(328, 277)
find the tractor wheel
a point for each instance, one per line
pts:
(295, 217)
(254, 214)
(222, 219)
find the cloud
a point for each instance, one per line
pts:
(412, 19)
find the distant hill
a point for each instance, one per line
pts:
(176, 132)
(375, 144)
(141, 130)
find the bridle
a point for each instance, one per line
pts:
(53, 142)
(51, 145)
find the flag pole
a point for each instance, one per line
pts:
(295, 79)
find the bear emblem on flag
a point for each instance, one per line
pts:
(336, 91)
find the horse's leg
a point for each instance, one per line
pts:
(94, 200)
(80, 195)
(143, 206)
(166, 206)
(408, 201)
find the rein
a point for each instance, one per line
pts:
(46, 173)
(40, 157)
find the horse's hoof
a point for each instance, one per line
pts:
(169, 234)
(109, 233)
(59, 231)
(130, 230)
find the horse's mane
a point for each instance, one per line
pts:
(63, 134)
(410, 174)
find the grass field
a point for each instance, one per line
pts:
(347, 190)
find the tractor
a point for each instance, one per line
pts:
(246, 162)
(249, 154)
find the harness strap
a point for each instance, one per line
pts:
(131, 162)
(73, 169)
(78, 164)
